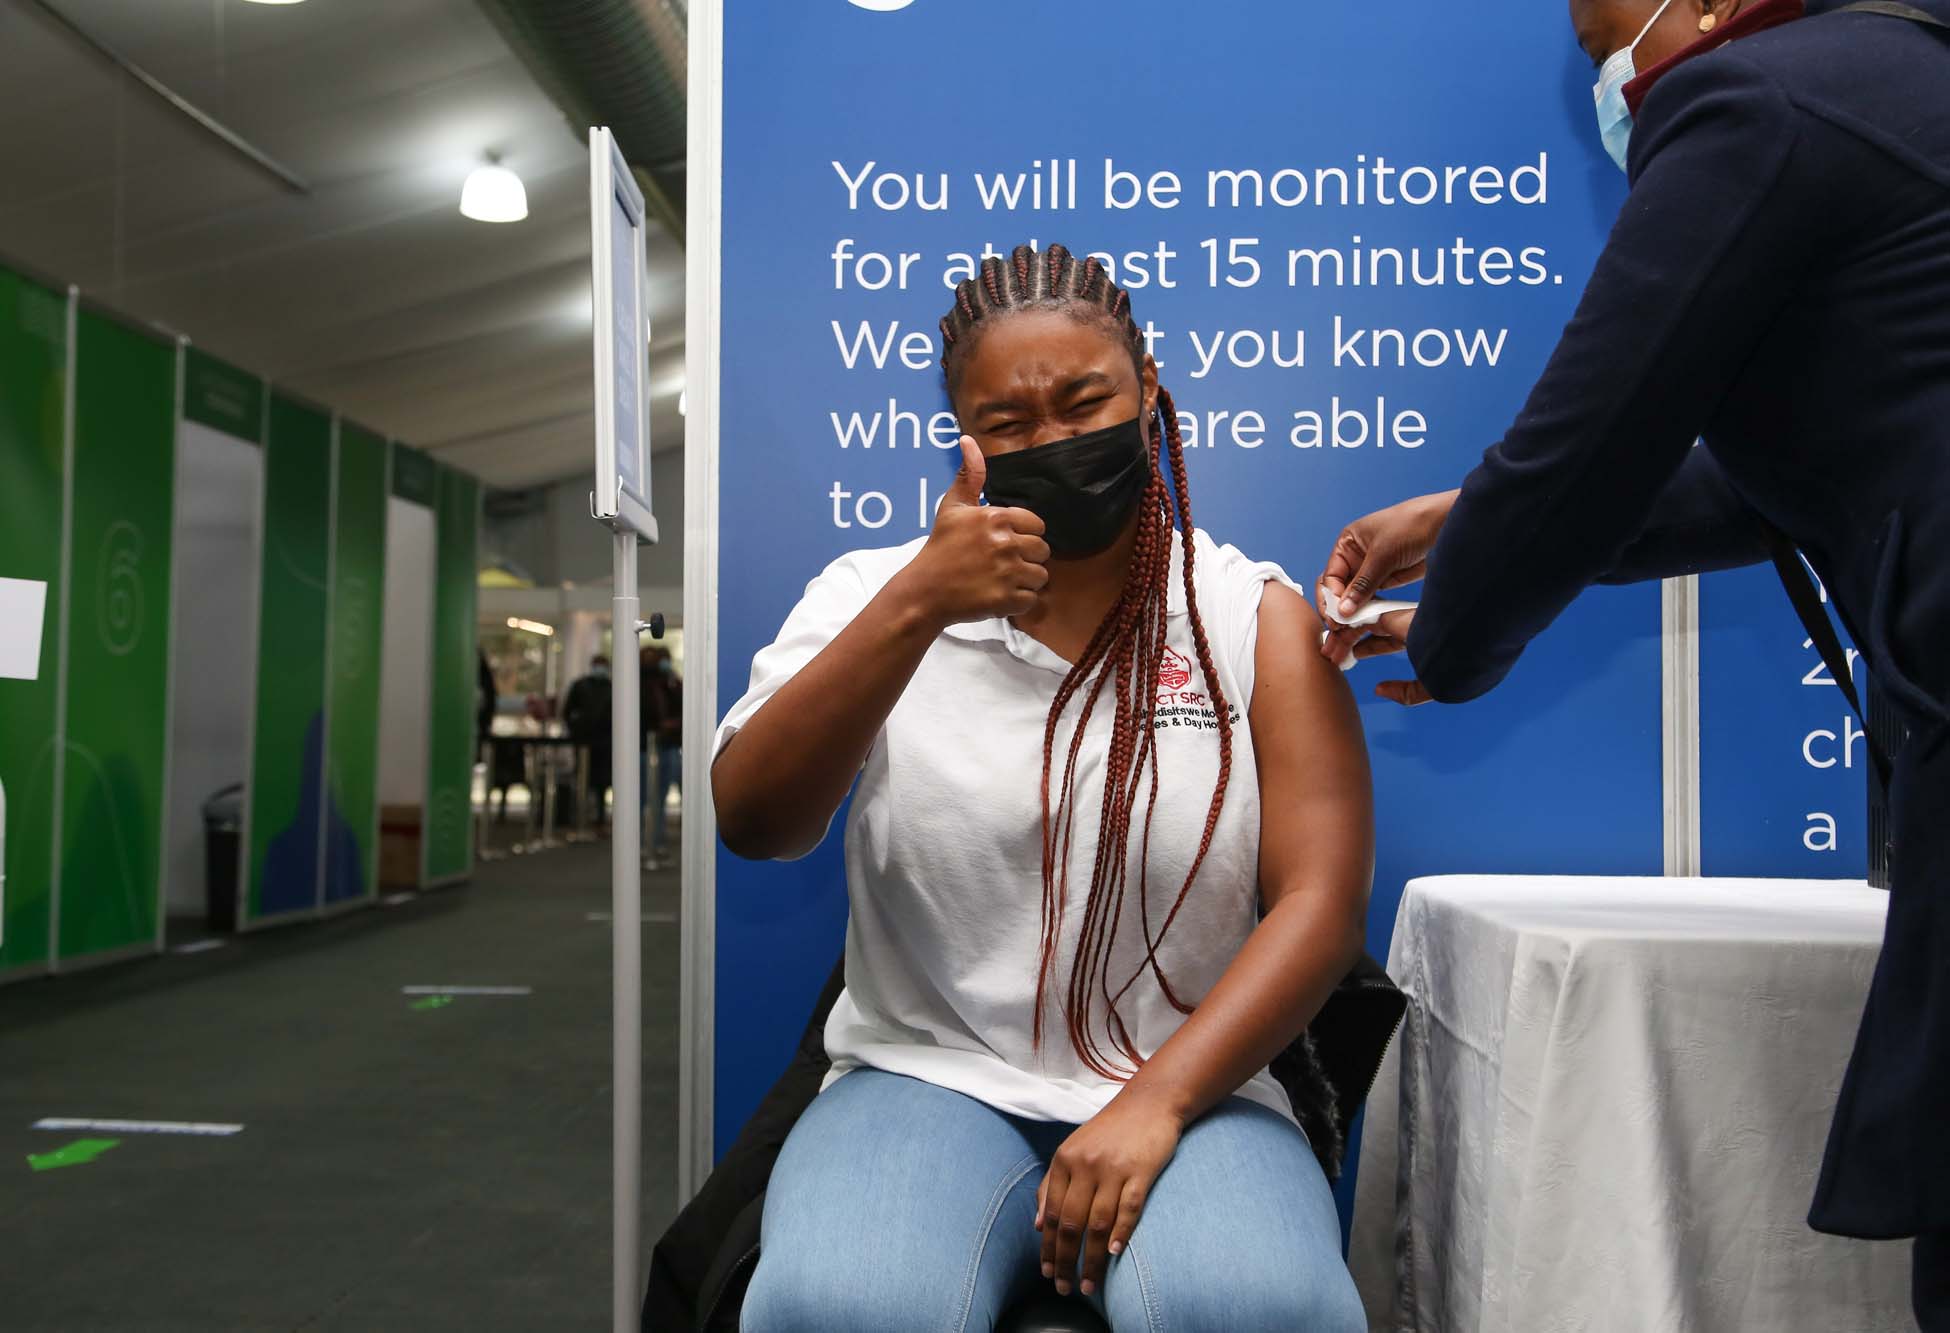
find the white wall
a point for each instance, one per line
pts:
(580, 546)
(217, 483)
(408, 653)
(662, 565)
(556, 542)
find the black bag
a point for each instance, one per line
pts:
(1330, 1070)
(701, 1266)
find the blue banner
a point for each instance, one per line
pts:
(1353, 239)
(1783, 761)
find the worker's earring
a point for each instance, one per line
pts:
(1708, 21)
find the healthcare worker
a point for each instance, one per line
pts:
(1777, 287)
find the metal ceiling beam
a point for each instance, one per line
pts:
(209, 124)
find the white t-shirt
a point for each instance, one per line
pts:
(944, 844)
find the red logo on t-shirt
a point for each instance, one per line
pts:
(1174, 673)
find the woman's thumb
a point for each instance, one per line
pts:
(974, 473)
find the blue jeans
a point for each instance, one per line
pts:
(900, 1206)
(670, 773)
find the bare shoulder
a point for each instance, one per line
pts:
(1284, 612)
(1287, 662)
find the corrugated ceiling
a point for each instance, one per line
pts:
(371, 292)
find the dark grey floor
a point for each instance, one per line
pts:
(401, 1169)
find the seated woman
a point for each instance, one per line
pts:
(1051, 1054)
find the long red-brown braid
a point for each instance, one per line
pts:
(1221, 708)
(1126, 654)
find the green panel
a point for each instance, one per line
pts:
(117, 716)
(287, 751)
(223, 397)
(358, 603)
(33, 406)
(450, 768)
(414, 475)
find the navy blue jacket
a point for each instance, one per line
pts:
(1777, 285)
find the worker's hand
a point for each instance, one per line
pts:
(1094, 1191)
(1386, 549)
(980, 560)
(1407, 693)
(1388, 635)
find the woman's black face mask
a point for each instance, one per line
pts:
(1084, 489)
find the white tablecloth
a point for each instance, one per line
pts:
(1607, 1105)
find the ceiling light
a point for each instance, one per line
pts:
(494, 194)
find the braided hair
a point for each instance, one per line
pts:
(1126, 653)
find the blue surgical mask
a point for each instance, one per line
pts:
(1614, 115)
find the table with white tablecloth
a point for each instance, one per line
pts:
(1607, 1105)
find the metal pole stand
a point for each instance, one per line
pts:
(626, 942)
(526, 842)
(548, 793)
(482, 852)
(547, 749)
(476, 836)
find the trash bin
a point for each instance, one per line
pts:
(223, 831)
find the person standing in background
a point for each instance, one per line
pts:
(649, 707)
(663, 728)
(585, 711)
(484, 704)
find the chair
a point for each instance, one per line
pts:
(700, 1267)
(1052, 1314)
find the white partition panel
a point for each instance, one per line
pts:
(217, 481)
(403, 715)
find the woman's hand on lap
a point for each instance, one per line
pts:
(1097, 1183)
(981, 560)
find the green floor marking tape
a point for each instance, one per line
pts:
(432, 1002)
(79, 1153)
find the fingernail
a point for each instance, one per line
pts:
(1088, 1286)
(1348, 606)
(1117, 1247)
(1049, 1270)
(1062, 1289)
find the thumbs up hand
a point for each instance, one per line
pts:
(980, 560)
(969, 479)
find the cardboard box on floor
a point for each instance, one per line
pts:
(399, 846)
